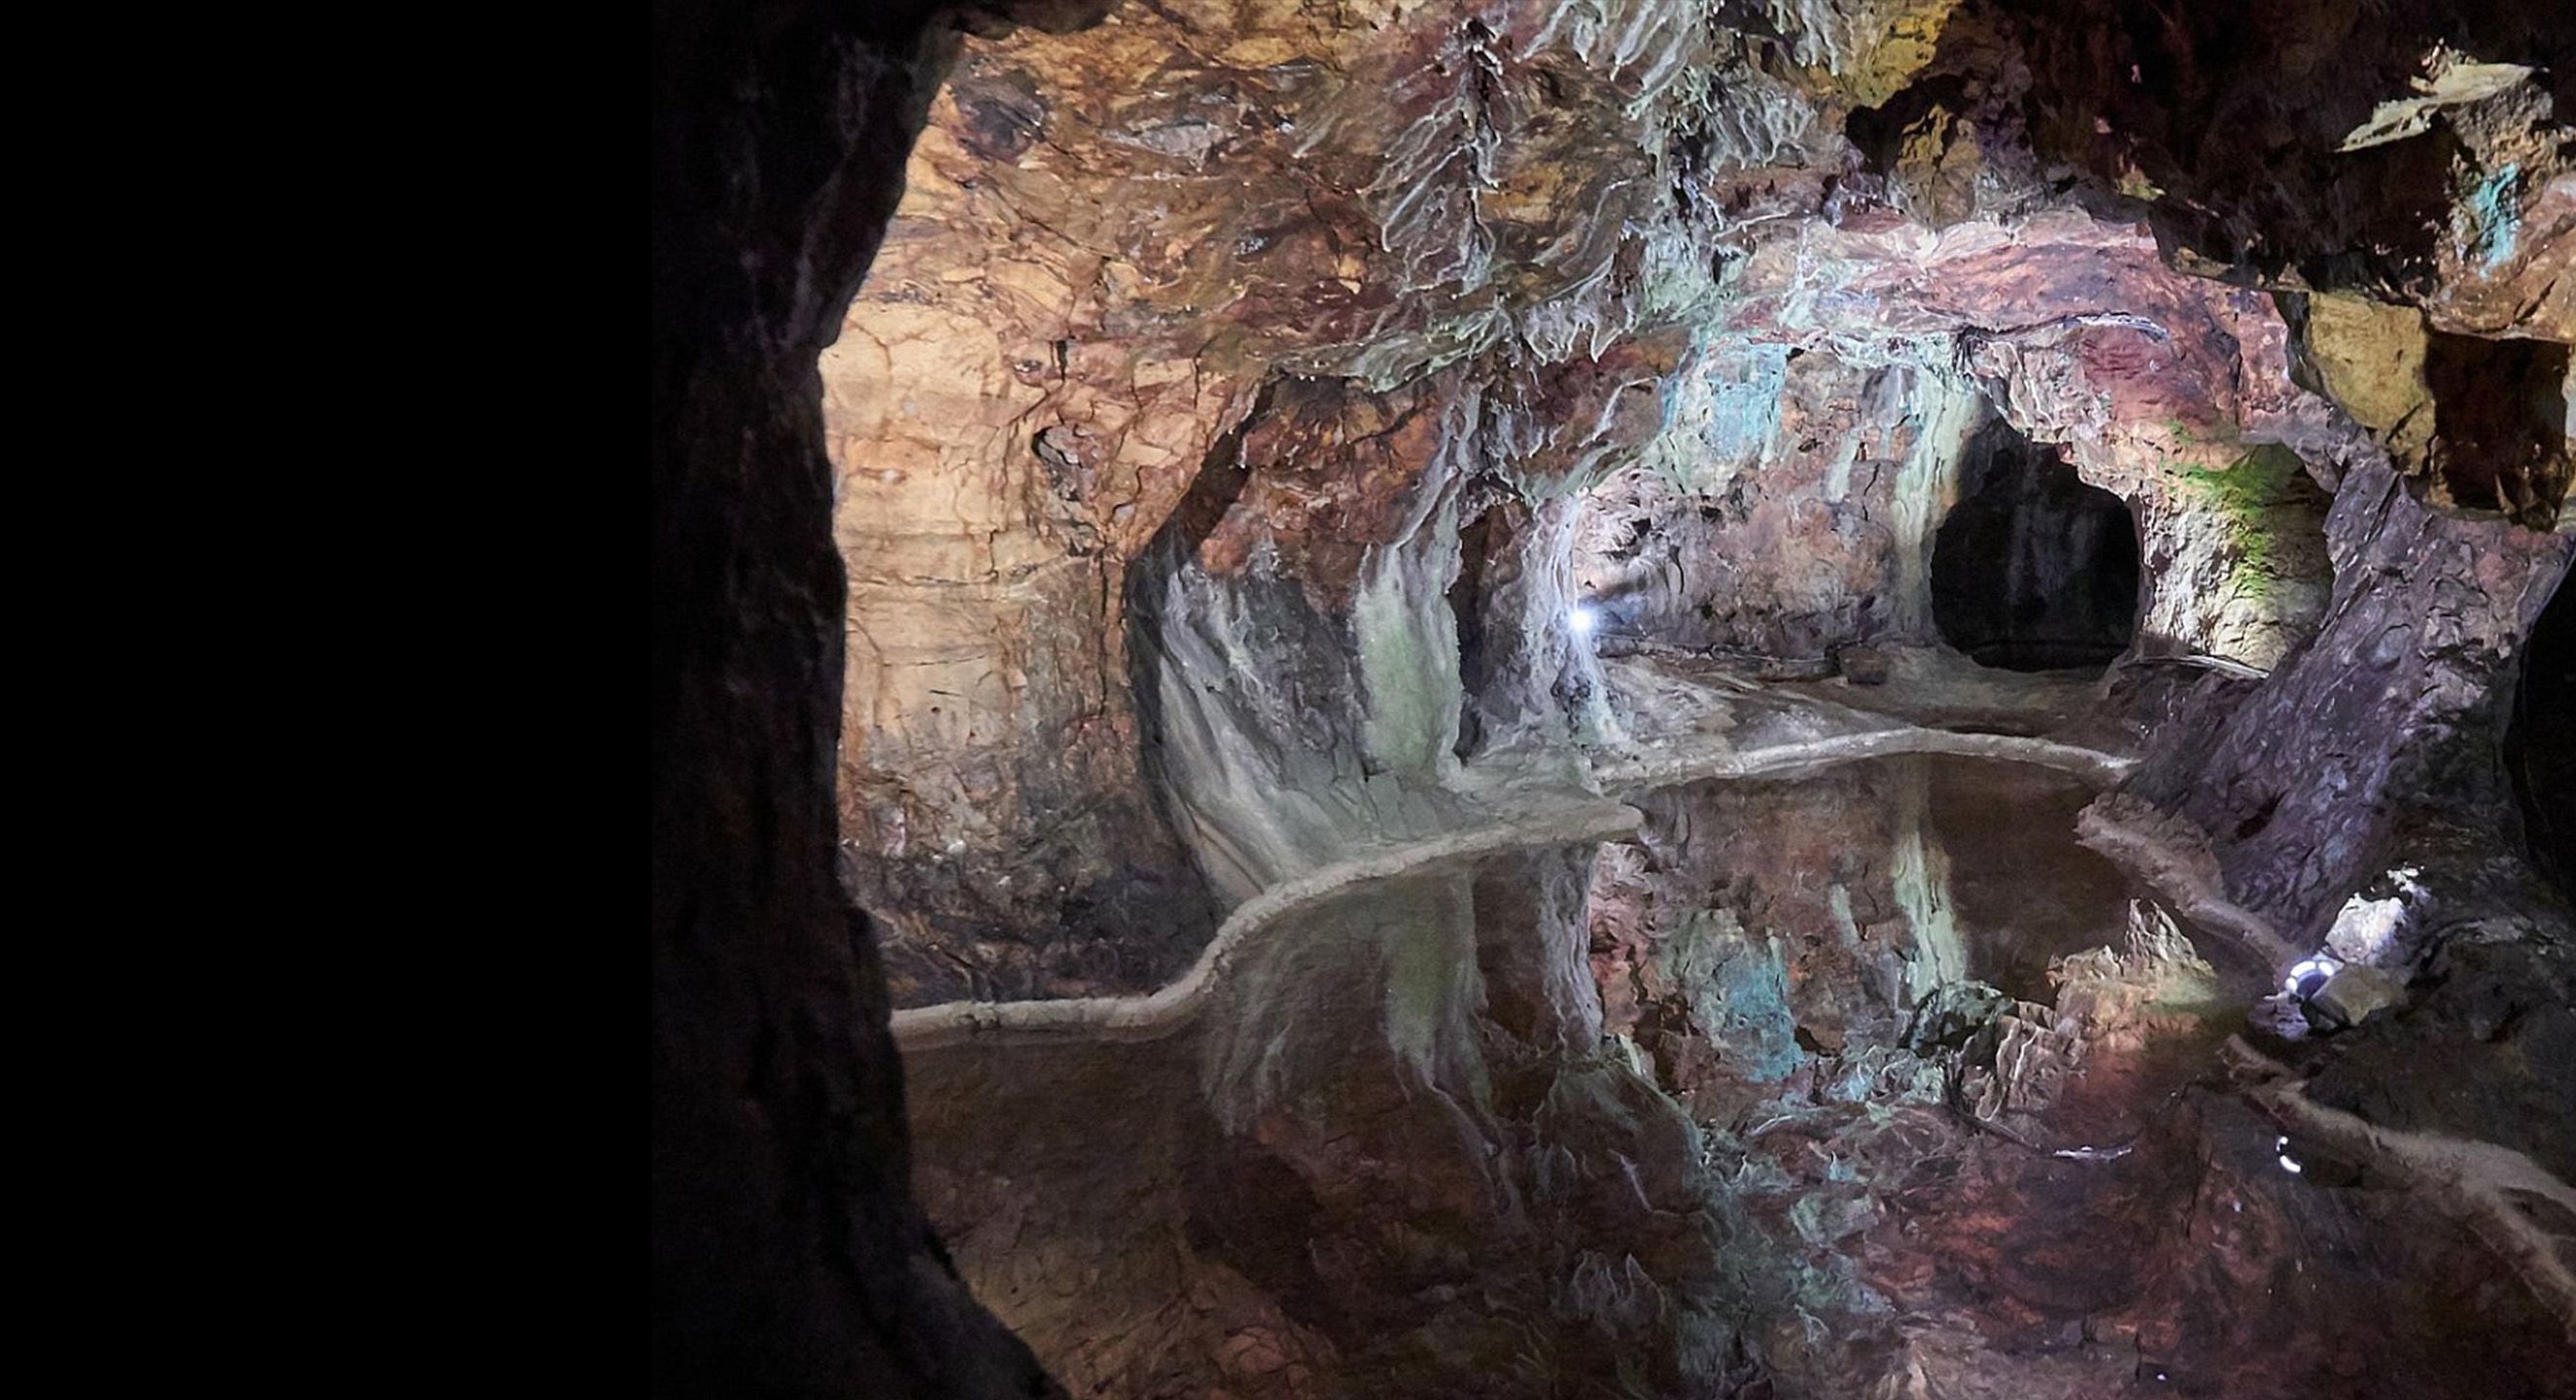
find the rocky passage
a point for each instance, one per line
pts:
(2033, 570)
(1206, 339)
(1614, 697)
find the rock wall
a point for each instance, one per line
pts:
(1816, 445)
(1248, 393)
(2173, 393)
(1300, 641)
(789, 1258)
(1122, 244)
(1117, 245)
(2384, 732)
(1056, 366)
(1788, 516)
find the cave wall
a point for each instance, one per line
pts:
(1783, 520)
(2400, 173)
(2384, 734)
(2408, 152)
(1116, 243)
(1394, 268)
(987, 498)
(2358, 801)
(1535, 684)
(2172, 392)
(789, 1258)
(1299, 642)
(2397, 176)
(1297, 645)
(1008, 432)
(1816, 442)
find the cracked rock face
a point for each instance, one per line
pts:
(1274, 452)
(1552, 270)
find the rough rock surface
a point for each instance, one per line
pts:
(789, 1257)
(1261, 420)
(1517, 254)
(1116, 245)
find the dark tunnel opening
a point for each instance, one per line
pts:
(1678, 1045)
(2540, 743)
(2033, 570)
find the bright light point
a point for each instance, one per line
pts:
(2308, 974)
(1582, 619)
(2290, 1164)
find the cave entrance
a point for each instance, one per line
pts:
(2540, 743)
(2033, 570)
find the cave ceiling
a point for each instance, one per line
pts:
(1389, 264)
(1617, 697)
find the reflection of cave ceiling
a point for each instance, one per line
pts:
(1421, 794)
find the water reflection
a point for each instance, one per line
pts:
(1684, 1116)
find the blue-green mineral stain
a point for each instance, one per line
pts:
(1739, 990)
(2495, 215)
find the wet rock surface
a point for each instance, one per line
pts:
(1127, 473)
(1637, 279)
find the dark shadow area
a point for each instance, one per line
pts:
(2499, 415)
(2540, 742)
(2224, 121)
(790, 1258)
(1467, 605)
(2033, 570)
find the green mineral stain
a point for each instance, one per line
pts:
(2495, 215)
(2248, 494)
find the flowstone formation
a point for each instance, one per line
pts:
(1643, 300)
(1616, 697)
